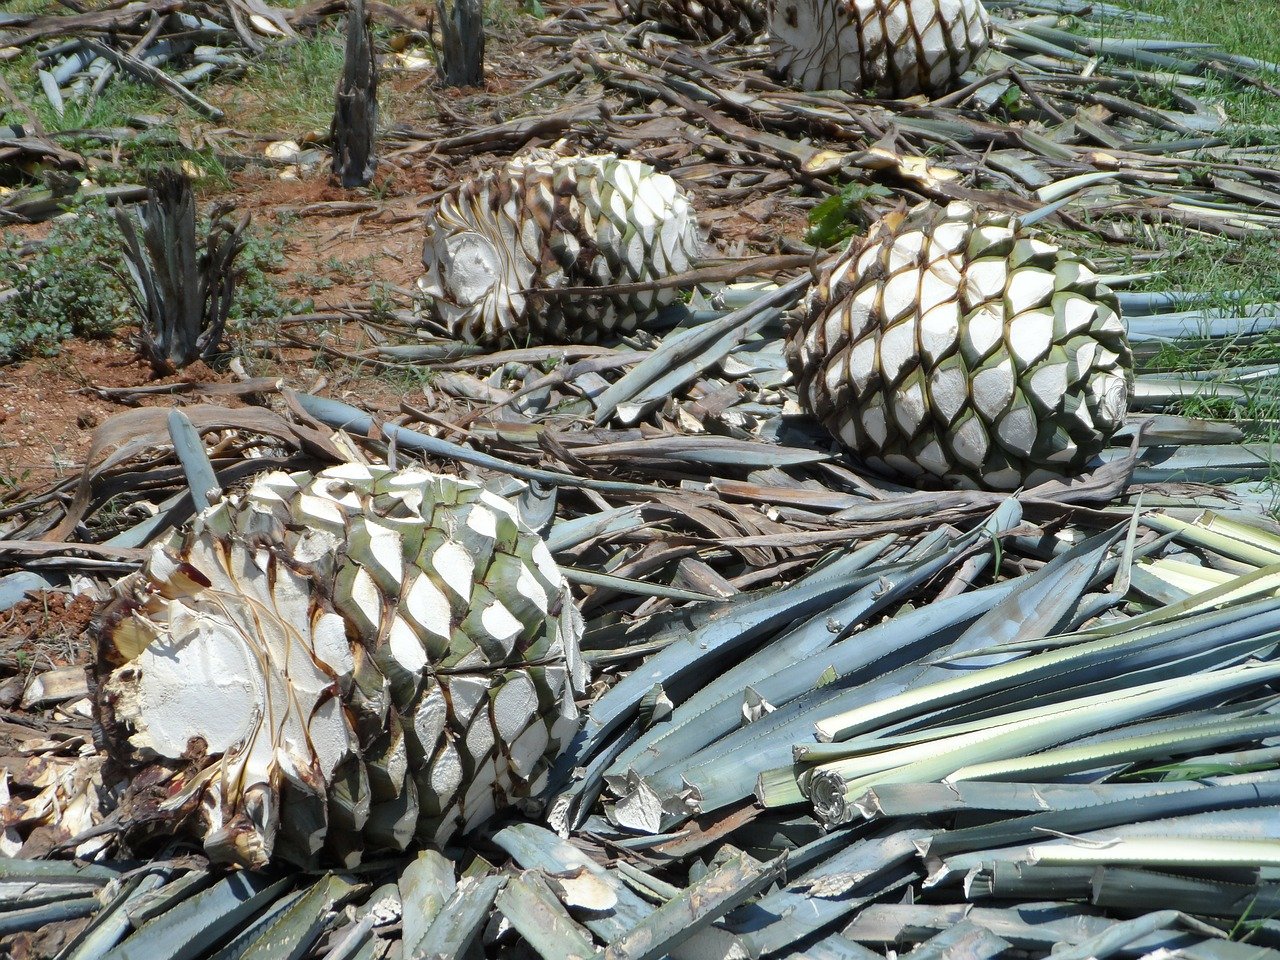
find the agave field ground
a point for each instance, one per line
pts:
(816, 713)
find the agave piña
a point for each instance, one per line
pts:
(959, 347)
(501, 244)
(334, 665)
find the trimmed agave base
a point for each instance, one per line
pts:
(956, 346)
(500, 246)
(335, 665)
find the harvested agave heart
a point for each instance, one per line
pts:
(889, 48)
(957, 347)
(702, 20)
(336, 665)
(500, 245)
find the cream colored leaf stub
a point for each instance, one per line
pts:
(889, 48)
(501, 244)
(958, 348)
(335, 665)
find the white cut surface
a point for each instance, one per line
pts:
(874, 422)
(985, 280)
(939, 330)
(988, 237)
(984, 331)
(201, 680)
(1029, 288)
(862, 364)
(446, 773)
(906, 251)
(321, 511)
(315, 544)
(479, 738)
(527, 586)
(514, 706)
(429, 719)
(911, 409)
(639, 809)
(1113, 397)
(546, 564)
(482, 807)
(901, 296)
(471, 263)
(455, 567)
(368, 600)
(428, 607)
(527, 749)
(897, 350)
(330, 737)
(993, 388)
(466, 693)
(329, 641)
(379, 548)
(357, 474)
(339, 491)
(969, 442)
(1048, 382)
(406, 648)
(949, 391)
(850, 431)
(501, 625)
(482, 521)
(1030, 337)
(1073, 314)
(1017, 430)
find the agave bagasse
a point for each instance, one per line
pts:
(500, 245)
(890, 48)
(336, 664)
(960, 347)
(743, 20)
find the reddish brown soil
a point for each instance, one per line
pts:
(54, 618)
(48, 409)
(335, 256)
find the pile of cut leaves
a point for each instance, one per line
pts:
(1031, 727)
(830, 717)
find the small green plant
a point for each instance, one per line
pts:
(837, 218)
(1247, 925)
(258, 296)
(66, 285)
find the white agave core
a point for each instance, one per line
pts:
(892, 48)
(541, 223)
(256, 666)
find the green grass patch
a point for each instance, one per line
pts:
(1249, 28)
(289, 89)
(121, 100)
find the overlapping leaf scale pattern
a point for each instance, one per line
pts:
(502, 243)
(339, 664)
(742, 20)
(891, 48)
(958, 347)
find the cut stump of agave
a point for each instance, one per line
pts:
(333, 665)
(501, 244)
(890, 48)
(955, 347)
